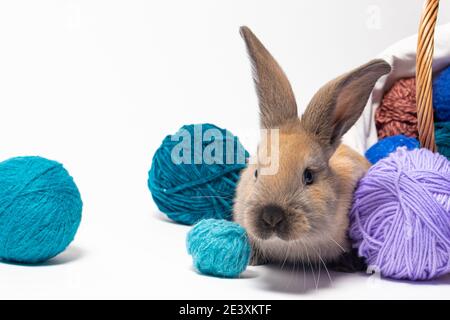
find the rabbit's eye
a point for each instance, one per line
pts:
(308, 177)
(256, 174)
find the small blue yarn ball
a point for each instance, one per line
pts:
(219, 248)
(388, 145)
(441, 95)
(40, 209)
(200, 186)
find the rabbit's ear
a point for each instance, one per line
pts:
(339, 104)
(276, 99)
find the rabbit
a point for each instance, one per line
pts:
(300, 213)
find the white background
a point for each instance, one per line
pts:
(96, 85)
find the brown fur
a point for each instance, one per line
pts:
(316, 215)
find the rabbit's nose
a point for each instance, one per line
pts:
(272, 215)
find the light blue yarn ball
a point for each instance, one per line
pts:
(40, 209)
(219, 248)
(386, 146)
(190, 191)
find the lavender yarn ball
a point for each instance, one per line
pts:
(400, 220)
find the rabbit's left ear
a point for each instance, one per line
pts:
(338, 105)
(276, 99)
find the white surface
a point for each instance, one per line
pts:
(98, 84)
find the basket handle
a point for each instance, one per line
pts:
(424, 72)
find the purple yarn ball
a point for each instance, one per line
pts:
(400, 219)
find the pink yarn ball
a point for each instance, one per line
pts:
(400, 219)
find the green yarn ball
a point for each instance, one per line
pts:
(442, 132)
(194, 173)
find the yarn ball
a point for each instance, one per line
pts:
(441, 95)
(388, 145)
(442, 131)
(40, 209)
(397, 112)
(400, 219)
(194, 173)
(219, 248)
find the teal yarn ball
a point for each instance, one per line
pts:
(219, 248)
(442, 131)
(194, 173)
(40, 209)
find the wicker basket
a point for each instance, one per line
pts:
(424, 72)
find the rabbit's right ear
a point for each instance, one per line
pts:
(276, 99)
(337, 106)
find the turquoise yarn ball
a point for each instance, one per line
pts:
(40, 209)
(386, 146)
(194, 173)
(219, 248)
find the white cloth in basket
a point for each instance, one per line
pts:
(402, 57)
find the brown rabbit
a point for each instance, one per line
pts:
(300, 212)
